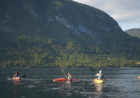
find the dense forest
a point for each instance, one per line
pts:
(47, 53)
(62, 33)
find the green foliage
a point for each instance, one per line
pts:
(62, 33)
(43, 51)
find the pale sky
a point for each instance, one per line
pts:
(125, 12)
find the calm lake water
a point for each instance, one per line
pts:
(119, 83)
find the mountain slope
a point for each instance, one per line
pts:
(134, 32)
(59, 32)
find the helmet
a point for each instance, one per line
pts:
(100, 71)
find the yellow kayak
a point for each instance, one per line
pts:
(138, 77)
(98, 81)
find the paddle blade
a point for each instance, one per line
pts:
(63, 72)
(92, 69)
(24, 76)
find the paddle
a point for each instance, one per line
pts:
(23, 76)
(63, 73)
(92, 69)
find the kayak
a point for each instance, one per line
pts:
(98, 81)
(63, 80)
(138, 77)
(16, 78)
(60, 80)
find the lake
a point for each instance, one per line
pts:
(119, 83)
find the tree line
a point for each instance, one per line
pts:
(48, 53)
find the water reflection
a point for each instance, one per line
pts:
(15, 88)
(98, 87)
(65, 88)
(16, 82)
(119, 84)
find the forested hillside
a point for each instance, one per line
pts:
(62, 33)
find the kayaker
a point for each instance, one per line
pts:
(99, 75)
(69, 77)
(16, 75)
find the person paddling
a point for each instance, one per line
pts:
(16, 75)
(99, 75)
(69, 77)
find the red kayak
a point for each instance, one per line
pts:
(16, 78)
(63, 80)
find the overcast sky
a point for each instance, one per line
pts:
(125, 12)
